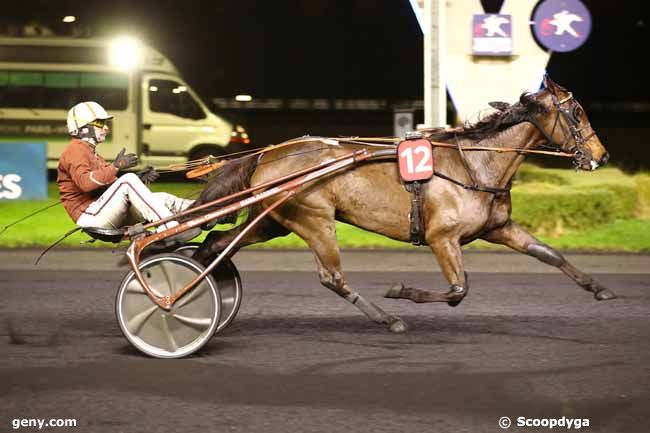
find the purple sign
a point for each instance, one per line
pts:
(562, 25)
(492, 35)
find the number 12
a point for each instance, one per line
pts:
(423, 164)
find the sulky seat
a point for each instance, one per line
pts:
(106, 235)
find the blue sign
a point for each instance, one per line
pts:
(23, 171)
(562, 25)
(492, 35)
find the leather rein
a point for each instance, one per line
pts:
(206, 165)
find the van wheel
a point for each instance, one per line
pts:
(205, 150)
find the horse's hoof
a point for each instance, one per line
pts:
(398, 327)
(604, 295)
(394, 291)
(456, 295)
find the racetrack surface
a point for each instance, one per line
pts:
(526, 342)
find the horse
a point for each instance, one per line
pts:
(470, 201)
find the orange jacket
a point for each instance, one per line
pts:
(81, 170)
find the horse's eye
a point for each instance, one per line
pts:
(578, 112)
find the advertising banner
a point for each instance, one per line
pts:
(23, 171)
(492, 35)
(562, 25)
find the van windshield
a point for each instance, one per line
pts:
(62, 90)
(168, 96)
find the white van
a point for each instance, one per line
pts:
(157, 115)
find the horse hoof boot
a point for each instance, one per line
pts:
(455, 295)
(394, 291)
(398, 326)
(604, 295)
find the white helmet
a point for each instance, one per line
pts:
(84, 113)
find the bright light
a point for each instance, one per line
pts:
(243, 98)
(124, 53)
(182, 89)
(153, 88)
(69, 19)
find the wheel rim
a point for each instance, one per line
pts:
(168, 334)
(228, 282)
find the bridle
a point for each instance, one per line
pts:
(571, 116)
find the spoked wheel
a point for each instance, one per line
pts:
(228, 282)
(190, 323)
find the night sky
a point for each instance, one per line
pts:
(334, 49)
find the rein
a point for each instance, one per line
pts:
(204, 166)
(467, 148)
(199, 167)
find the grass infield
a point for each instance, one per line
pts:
(606, 210)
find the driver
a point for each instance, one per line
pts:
(95, 194)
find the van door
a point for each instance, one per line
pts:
(172, 119)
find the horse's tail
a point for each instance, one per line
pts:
(232, 177)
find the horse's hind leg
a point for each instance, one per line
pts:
(449, 256)
(318, 229)
(517, 238)
(217, 241)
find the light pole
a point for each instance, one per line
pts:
(435, 93)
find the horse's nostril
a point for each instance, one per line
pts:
(604, 159)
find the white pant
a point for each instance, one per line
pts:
(128, 201)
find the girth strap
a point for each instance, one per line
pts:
(490, 189)
(416, 216)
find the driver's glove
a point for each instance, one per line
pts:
(148, 174)
(123, 161)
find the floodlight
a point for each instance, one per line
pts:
(243, 98)
(69, 19)
(125, 53)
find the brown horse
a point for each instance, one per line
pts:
(473, 202)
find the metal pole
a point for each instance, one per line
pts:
(435, 94)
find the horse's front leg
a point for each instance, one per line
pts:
(517, 238)
(450, 259)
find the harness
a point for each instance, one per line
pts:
(571, 116)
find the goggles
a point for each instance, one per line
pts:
(99, 123)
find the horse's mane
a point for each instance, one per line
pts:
(495, 122)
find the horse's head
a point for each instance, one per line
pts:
(566, 127)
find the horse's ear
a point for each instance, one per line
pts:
(550, 84)
(547, 81)
(498, 105)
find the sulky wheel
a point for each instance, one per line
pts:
(190, 323)
(228, 282)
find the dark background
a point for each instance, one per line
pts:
(352, 49)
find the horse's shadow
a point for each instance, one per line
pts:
(440, 330)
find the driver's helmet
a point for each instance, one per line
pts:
(82, 115)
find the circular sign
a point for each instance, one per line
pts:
(562, 25)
